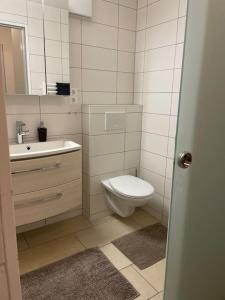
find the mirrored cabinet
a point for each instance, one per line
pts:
(34, 36)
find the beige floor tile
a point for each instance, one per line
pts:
(145, 290)
(104, 233)
(54, 231)
(36, 257)
(157, 297)
(21, 243)
(155, 274)
(117, 258)
(142, 218)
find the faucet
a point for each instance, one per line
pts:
(20, 133)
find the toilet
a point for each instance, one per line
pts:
(124, 193)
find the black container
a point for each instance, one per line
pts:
(42, 133)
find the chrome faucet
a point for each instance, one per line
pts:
(20, 133)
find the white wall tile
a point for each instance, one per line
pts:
(22, 105)
(53, 48)
(53, 65)
(125, 98)
(16, 7)
(37, 63)
(161, 35)
(129, 3)
(106, 144)
(99, 35)
(140, 40)
(34, 10)
(133, 141)
(75, 55)
(157, 103)
(125, 62)
(99, 98)
(158, 81)
(179, 55)
(160, 59)
(125, 82)
(59, 124)
(132, 159)
(177, 80)
(105, 13)
(126, 40)
(153, 162)
(173, 126)
(127, 18)
(133, 122)
(181, 30)
(36, 46)
(139, 62)
(75, 29)
(141, 18)
(142, 3)
(175, 104)
(75, 78)
(52, 31)
(154, 143)
(183, 8)
(59, 104)
(99, 58)
(162, 11)
(52, 14)
(99, 81)
(106, 163)
(35, 27)
(158, 124)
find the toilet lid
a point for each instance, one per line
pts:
(131, 186)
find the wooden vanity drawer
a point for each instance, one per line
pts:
(36, 206)
(41, 173)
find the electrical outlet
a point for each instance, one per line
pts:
(73, 100)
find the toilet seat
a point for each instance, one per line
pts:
(131, 187)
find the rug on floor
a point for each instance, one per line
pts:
(88, 275)
(144, 247)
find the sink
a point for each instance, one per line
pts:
(31, 150)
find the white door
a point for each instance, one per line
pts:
(196, 243)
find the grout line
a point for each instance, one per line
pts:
(139, 273)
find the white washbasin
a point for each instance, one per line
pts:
(30, 150)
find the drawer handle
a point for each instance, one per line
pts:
(39, 200)
(44, 169)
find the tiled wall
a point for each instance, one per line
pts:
(102, 52)
(158, 62)
(107, 154)
(62, 119)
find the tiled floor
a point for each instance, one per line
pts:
(48, 244)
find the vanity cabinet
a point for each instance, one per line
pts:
(46, 186)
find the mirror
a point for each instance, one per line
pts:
(34, 35)
(12, 39)
(56, 32)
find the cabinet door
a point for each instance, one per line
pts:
(36, 206)
(41, 173)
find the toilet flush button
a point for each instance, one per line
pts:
(115, 121)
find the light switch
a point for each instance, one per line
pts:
(115, 121)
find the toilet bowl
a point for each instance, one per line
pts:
(124, 193)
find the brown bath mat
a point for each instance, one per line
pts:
(88, 275)
(144, 247)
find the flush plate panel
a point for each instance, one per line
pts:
(115, 121)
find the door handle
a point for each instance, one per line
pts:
(185, 160)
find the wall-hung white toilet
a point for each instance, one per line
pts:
(124, 193)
